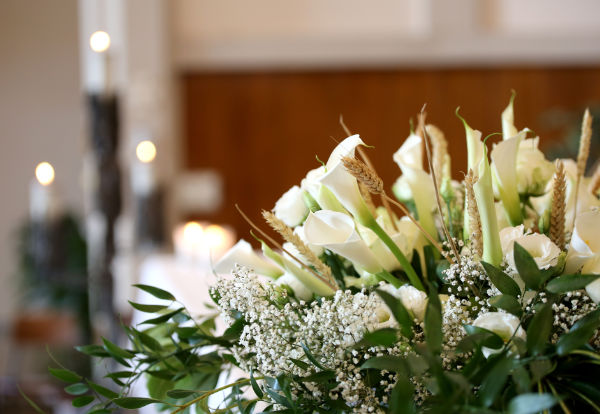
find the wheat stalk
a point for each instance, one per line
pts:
(582, 154)
(366, 195)
(557, 217)
(473, 211)
(439, 149)
(331, 284)
(432, 171)
(368, 162)
(288, 235)
(368, 177)
(595, 181)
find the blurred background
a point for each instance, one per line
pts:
(125, 151)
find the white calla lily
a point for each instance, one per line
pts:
(504, 172)
(299, 289)
(312, 185)
(243, 254)
(484, 196)
(336, 232)
(310, 281)
(508, 120)
(405, 238)
(409, 158)
(534, 171)
(584, 249)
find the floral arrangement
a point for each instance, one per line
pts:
(472, 296)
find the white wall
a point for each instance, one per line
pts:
(40, 116)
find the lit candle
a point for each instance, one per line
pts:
(197, 243)
(143, 179)
(100, 43)
(43, 201)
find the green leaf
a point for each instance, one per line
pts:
(402, 397)
(31, 403)
(278, 398)
(76, 389)
(156, 292)
(310, 357)
(579, 334)
(93, 350)
(300, 364)
(178, 394)
(132, 403)
(255, 386)
(539, 329)
(479, 337)
(493, 383)
(319, 377)
(568, 283)
(527, 268)
(433, 322)
(503, 282)
(162, 318)
(103, 391)
(82, 401)
(64, 375)
(387, 362)
(531, 403)
(147, 308)
(508, 303)
(381, 337)
(148, 341)
(402, 316)
(115, 350)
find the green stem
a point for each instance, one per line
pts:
(387, 240)
(388, 277)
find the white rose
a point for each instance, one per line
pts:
(593, 289)
(502, 324)
(290, 208)
(539, 246)
(413, 299)
(508, 235)
(533, 169)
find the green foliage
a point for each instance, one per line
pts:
(182, 360)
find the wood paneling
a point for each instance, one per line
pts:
(263, 130)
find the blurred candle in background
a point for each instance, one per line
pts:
(143, 175)
(203, 244)
(100, 66)
(43, 200)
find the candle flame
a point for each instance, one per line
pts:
(193, 233)
(99, 41)
(146, 151)
(44, 172)
(215, 236)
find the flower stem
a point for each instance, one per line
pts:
(387, 240)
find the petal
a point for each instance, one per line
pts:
(243, 254)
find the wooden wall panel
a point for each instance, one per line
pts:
(263, 130)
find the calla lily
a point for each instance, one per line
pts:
(325, 198)
(504, 170)
(586, 200)
(406, 239)
(342, 184)
(309, 280)
(584, 251)
(484, 196)
(585, 241)
(335, 231)
(300, 291)
(508, 120)
(243, 254)
(409, 158)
